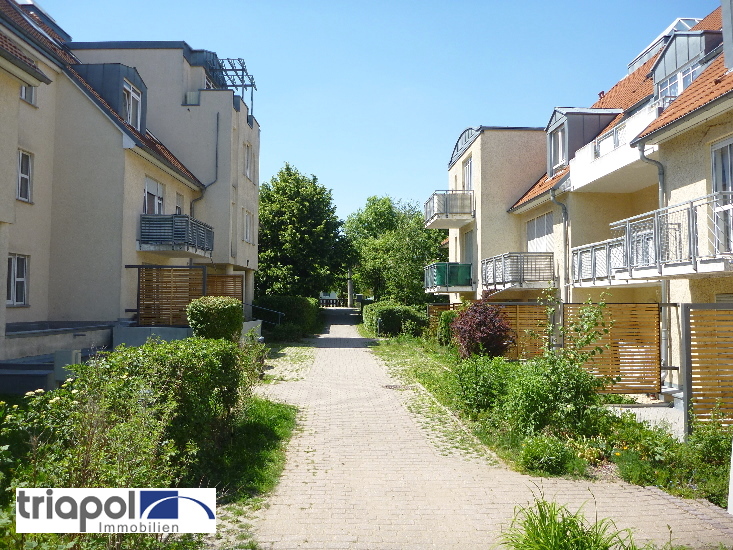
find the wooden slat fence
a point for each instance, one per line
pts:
(528, 321)
(225, 285)
(631, 347)
(164, 293)
(708, 359)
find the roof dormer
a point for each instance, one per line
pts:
(570, 129)
(121, 87)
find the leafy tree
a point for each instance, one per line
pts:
(392, 247)
(302, 249)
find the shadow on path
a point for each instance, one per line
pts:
(334, 335)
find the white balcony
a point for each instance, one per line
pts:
(608, 163)
(518, 269)
(449, 209)
(682, 240)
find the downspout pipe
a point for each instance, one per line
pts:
(216, 168)
(664, 337)
(566, 250)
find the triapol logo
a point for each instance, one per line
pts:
(115, 511)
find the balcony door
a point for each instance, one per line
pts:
(723, 202)
(539, 234)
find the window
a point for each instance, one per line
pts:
(153, 201)
(17, 281)
(179, 203)
(468, 174)
(25, 176)
(248, 160)
(671, 87)
(131, 104)
(723, 203)
(248, 227)
(539, 234)
(28, 93)
(558, 154)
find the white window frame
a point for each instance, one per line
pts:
(248, 226)
(131, 104)
(26, 178)
(156, 192)
(248, 160)
(672, 86)
(468, 173)
(179, 204)
(28, 93)
(15, 278)
(558, 154)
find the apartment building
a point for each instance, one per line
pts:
(91, 197)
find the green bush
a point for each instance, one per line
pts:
(445, 334)
(298, 310)
(551, 526)
(287, 332)
(545, 453)
(388, 318)
(216, 317)
(482, 382)
(552, 393)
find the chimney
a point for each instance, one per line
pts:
(727, 12)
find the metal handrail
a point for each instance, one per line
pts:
(449, 201)
(518, 267)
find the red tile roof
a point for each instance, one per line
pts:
(12, 48)
(713, 83)
(629, 90)
(543, 185)
(12, 11)
(713, 22)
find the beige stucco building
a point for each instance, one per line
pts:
(90, 187)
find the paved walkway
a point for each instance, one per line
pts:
(362, 473)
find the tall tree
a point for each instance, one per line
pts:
(302, 249)
(392, 248)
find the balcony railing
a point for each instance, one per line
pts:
(676, 239)
(449, 209)
(176, 232)
(598, 260)
(533, 269)
(448, 275)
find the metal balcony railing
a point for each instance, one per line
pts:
(448, 274)
(176, 230)
(682, 233)
(518, 268)
(598, 260)
(446, 203)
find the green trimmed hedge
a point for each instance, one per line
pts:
(389, 318)
(300, 312)
(445, 333)
(216, 317)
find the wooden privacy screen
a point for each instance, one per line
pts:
(709, 363)
(528, 321)
(633, 347)
(164, 293)
(225, 285)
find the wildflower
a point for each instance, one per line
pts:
(30, 393)
(9, 417)
(53, 400)
(617, 454)
(39, 390)
(74, 402)
(74, 391)
(15, 406)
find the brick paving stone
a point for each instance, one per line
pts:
(364, 472)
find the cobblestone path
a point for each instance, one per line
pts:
(364, 471)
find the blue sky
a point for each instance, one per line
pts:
(371, 96)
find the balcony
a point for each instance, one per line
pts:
(175, 235)
(444, 277)
(449, 209)
(597, 262)
(518, 269)
(687, 239)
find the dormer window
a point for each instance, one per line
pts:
(669, 88)
(558, 151)
(131, 102)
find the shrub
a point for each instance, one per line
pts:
(482, 382)
(545, 453)
(286, 332)
(216, 317)
(298, 310)
(482, 329)
(445, 334)
(388, 318)
(552, 393)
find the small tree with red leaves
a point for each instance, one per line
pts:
(482, 329)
